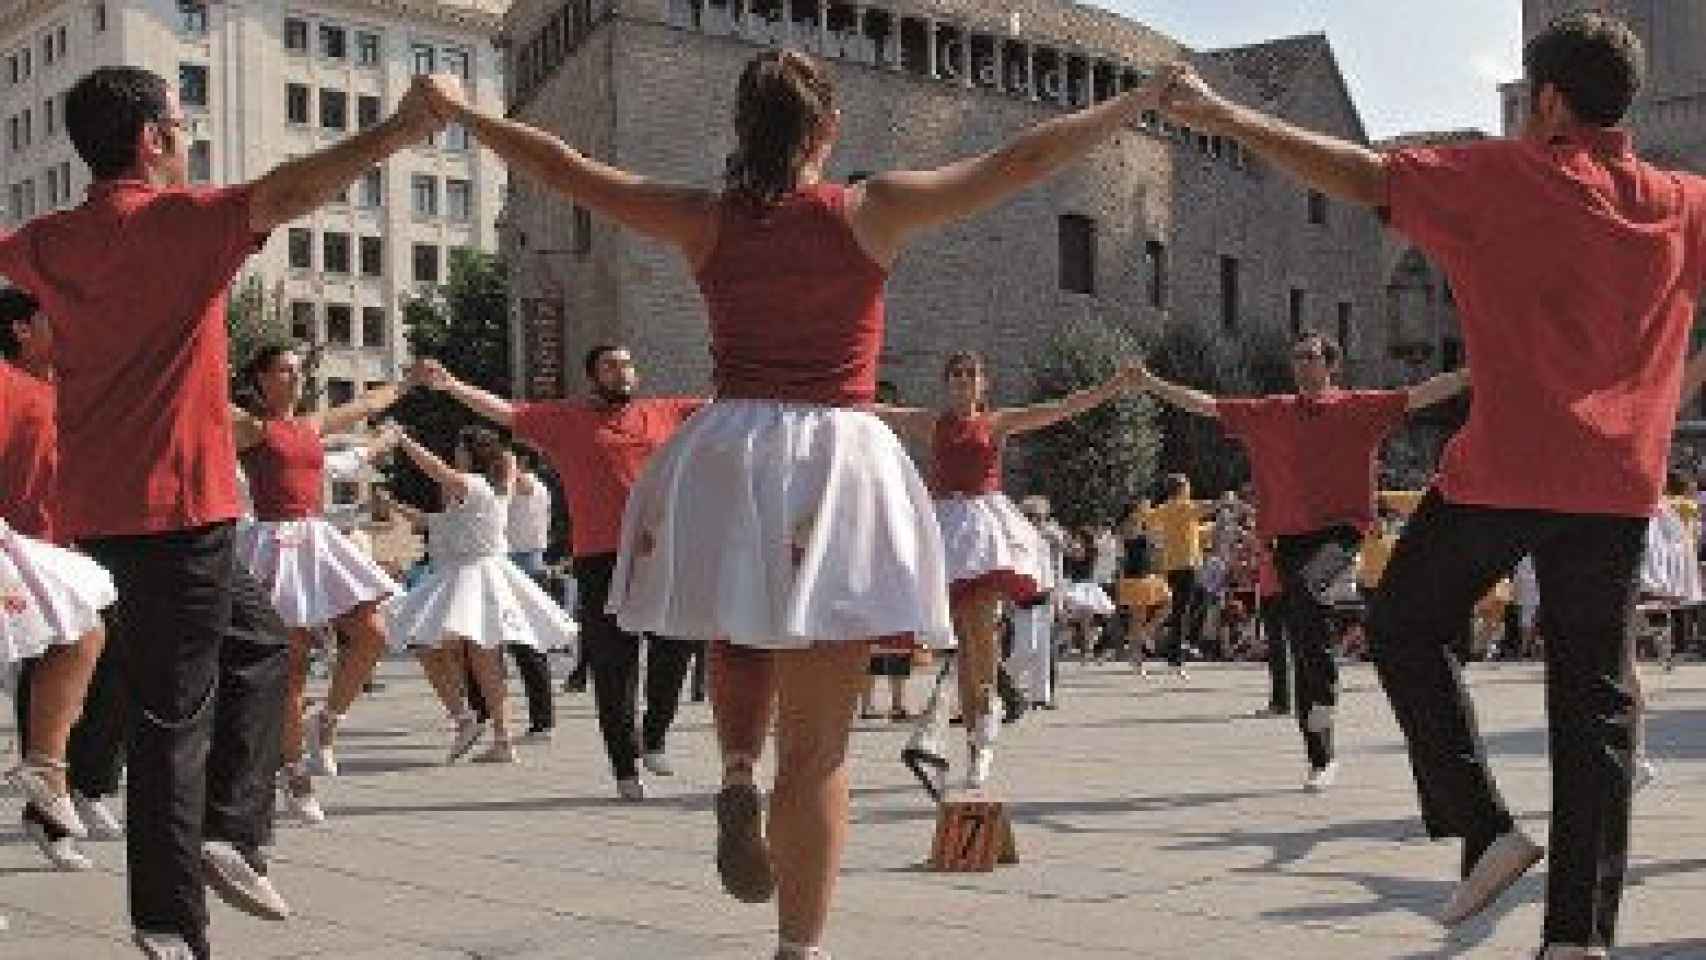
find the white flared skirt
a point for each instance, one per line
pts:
(49, 596)
(487, 600)
(988, 541)
(782, 526)
(313, 573)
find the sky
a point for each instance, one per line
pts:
(1411, 64)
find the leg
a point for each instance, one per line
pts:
(1587, 573)
(247, 713)
(1279, 655)
(296, 681)
(534, 666)
(57, 682)
(743, 700)
(470, 684)
(486, 664)
(974, 624)
(443, 669)
(364, 634)
(808, 807)
(613, 656)
(1307, 631)
(667, 661)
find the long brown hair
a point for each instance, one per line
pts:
(783, 106)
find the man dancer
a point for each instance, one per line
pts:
(598, 446)
(1313, 457)
(1577, 269)
(136, 279)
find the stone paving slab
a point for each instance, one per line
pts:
(1155, 818)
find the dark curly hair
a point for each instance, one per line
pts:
(105, 112)
(783, 106)
(1595, 61)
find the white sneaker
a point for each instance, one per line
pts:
(162, 946)
(1501, 865)
(658, 763)
(101, 822)
(1559, 952)
(501, 751)
(62, 853)
(980, 763)
(1646, 773)
(468, 732)
(299, 799)
(238, 884)
(1320, 778)
(318, 754)
(56, 807)
(632, 790)
(532, 737)
(1184, 674)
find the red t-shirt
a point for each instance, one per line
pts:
(27, 452)
(135, 281)
(287, 470)
(965, 456)
(1313, 458)
(599, 452)
(1576, 268)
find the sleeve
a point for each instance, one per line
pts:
(686, 407)
(1244, 417)
(17, 264)
(541, 425)
(1694, 194)
(212, 227)
(1382, 410)
(1437, 196)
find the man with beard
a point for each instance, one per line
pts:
(599, 446)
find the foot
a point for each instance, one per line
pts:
(1561, 952)
(1503, 863)
(322, 761)
(632, 789)
(501, 751)
(42, 784)
(101, 822)
(793, 951)
(869, 715)
(1263, 713)
(1646, 773)
(899, 715)
(658, 763)
(538, 736)
(923, 755)
(468, 732)
(296, 789)
(60, 850)
(980, 763)
(1183, 674)
(1320, 778)
(240, 883)
(162, 946)
(574, 684)
(743, 857)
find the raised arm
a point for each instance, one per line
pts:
(889, 207)
(441, 473)
(1185, 398)
(1693, 377)
(1015, 420)
(377, 400)
(414, 516)
(246, 428)
(432, 375)
(1338, 167)
(911, 423)
(1437, 389)
(300, 186)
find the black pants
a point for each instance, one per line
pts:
(1308, 629)
(203, 659)
(1190, 605)
(613, 655)
(1279, 654)
(535, 671)
(1448, 557)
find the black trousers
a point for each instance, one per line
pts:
(1185, 619)
(1279, 654)
(613, 655)
(203, 658)
(1586, 565)
(1308, 629)
(535, 671)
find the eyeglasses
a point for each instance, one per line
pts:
(1308, 356)
(191, 126)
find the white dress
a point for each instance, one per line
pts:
(1669, 569)
(49, 596)
(782, 526)
(471, 588)
(987, 539)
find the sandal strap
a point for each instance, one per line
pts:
(45, 763)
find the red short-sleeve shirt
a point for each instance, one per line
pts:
(1313, 457)
(135, 280)
(598, 452)
(27, 452)
(1576, 269)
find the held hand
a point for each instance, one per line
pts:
(430, 374)
(1131, 376)
(418, 111)
(443, 95)
(1184, 92)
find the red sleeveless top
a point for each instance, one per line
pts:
(287, 471)
(965, 457)
(795, 304)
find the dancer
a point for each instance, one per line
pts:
(473, 601)
(1031, 660)
(1312, 454)
(1143, 592)
(828, 538)
(314, 576)
(147, 469)
(1177, 522)
(993, 553)
(599, 446)
(49, 606)
(1577, 268)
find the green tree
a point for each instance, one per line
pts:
(1093, 466)
(254, 318)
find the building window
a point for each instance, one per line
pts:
(302, 320)
(60, 34)
(425, 58)
(424, 191)
(372, 194)
(295, 35)
(1294, 311)
(201, 161)
(582, 238)
(459, 200)
(373, 327)
(339, 331)
(1317, 208)
(336, 252)
(25, 61)
(1155, 258)
(366, 48)
(1077, 253)
(52, 186)
(372, 257)
(100, 18)
(65, 179)
(47, 50)
(1229, 293)
(426, 263)
(455, 137)
(1344, 330)
(301, 248)
(192, 17)
(28, 116)
(296, 103)
(334, 110)
(456, 62)
(332, 42)
(366, 111)
(47, 117)
(17, 205)
(192, 84)
(338, 390)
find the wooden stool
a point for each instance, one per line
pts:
(972, 836)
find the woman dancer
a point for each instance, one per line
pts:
(823, 535)
(473, 602)
(314, 574)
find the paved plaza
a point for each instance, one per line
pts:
(1154, 820)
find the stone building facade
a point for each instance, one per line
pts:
(1160, 225)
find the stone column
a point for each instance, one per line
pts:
(930, 47)
(966, 77)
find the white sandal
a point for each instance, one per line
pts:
(54, 806)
